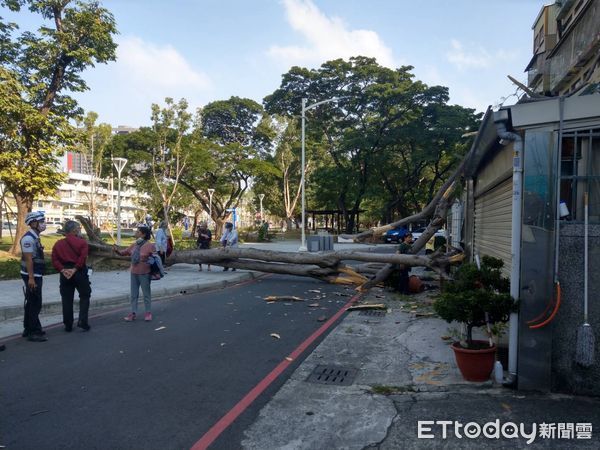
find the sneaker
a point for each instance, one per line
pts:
(37, 338)
(130, 317)
(148, 317)
(84, 326)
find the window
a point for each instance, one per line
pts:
(580, 173)
(40, 204)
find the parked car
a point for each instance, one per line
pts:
(395, 234)
(9, 225)
(419, 231)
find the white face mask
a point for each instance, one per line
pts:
(41, 226)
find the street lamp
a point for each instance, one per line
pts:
(119, 164)
(305, 108)
(211, 191)
(260, 197)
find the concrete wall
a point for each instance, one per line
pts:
(566, 375)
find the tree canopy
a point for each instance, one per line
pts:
(38, 71)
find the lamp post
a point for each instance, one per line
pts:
(260, 197)
(211, 191)
(305, 108)
(119, 164)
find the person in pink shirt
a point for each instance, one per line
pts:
(140, 271)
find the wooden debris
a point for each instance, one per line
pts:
(283, 298)
(368, 306)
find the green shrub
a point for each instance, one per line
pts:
(473, 292)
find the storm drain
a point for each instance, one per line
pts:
(373, 312)
(339, 376)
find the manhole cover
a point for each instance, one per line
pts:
(373, 312)
(340, 376)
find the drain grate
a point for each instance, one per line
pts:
(339, 376)
(373, 312)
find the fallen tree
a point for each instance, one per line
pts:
(329, 266)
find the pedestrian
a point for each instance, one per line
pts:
(403, 271)
(69, 257)
(139, 251)
(161, 241)
(204, 240)
(33, 267)
(229, 239)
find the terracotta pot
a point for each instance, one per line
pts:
(475, 365)
(415, 285)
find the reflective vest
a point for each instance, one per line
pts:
(39, 265)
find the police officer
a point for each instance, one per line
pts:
(32, 272)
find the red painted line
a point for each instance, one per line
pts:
(225, 421)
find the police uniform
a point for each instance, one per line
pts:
(30, 243)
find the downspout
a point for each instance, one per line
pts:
(515, 250)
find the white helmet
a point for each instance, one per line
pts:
(34, 216)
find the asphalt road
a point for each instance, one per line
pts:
(162, 384)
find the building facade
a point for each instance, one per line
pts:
(533, 165)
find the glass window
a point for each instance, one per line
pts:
(580, 173)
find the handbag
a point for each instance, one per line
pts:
(157, 270)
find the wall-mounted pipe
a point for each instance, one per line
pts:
(516, 227)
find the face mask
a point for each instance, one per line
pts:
(41, 226)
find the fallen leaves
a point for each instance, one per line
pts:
(275, 335)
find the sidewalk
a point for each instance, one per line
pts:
(405, 373)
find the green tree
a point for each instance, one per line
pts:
(365, 128)
(235, 136)
(38, 70)
(94, 140)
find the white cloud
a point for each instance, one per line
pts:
(326, 38)
(475, 57)
(150, 66)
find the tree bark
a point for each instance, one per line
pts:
(24, 205)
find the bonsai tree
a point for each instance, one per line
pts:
(473, 292)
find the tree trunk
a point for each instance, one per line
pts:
(24, 205)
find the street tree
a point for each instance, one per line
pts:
(38, 71)
(171, 149)
(235, 136)
(94, 140)
(371, 109)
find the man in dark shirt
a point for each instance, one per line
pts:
(203, 241)
(69, 258)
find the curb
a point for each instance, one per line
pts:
(12, 312)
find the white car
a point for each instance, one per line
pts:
(419, 231)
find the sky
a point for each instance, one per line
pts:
(207, 50)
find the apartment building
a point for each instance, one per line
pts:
(566, 48)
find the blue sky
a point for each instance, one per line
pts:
(205, 50)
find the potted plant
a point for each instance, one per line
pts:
(474, 294)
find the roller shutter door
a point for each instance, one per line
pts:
(493, 217)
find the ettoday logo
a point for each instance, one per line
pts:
(429, 429)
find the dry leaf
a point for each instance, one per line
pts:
(159, 328)
(275, 335)
(316, 291)
(314, 305)
(287, 358)
(322, 319)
